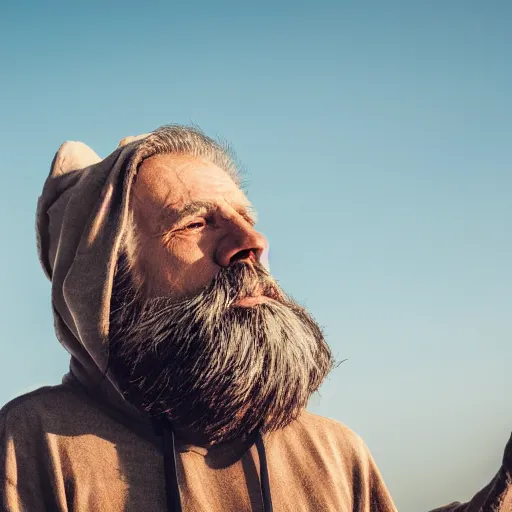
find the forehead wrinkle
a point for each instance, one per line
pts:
(188, 196)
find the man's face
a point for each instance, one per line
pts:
(201, 335)
(191, 220)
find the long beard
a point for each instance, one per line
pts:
(213, 368)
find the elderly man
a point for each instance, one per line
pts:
(190, 368)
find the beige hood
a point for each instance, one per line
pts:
(81, 215)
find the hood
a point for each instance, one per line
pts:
(81, 216)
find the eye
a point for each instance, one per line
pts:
(195, 225)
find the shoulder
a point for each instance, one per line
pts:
(327, 429)
(40, 407)
(310, 420)
(325, 437)
(46, 395)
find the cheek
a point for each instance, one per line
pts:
(178, 268)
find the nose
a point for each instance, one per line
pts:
(241, 243)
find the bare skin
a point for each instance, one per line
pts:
(191, 219)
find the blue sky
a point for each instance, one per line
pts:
(377, 143)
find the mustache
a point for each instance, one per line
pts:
(230, 285)
(227, 288)
(131, 312)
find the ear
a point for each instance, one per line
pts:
(71, 156)
(130, 139)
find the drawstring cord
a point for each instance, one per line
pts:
(172, 489)
(264, 479)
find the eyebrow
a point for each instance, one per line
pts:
(247, 211)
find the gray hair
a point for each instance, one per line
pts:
(190, 140)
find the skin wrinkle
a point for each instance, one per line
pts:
(181, 348)
(172, 218)
(148, 200)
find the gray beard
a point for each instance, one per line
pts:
(211, 368)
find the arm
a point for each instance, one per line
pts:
(494, 497)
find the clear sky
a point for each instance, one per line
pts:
(377, 139)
